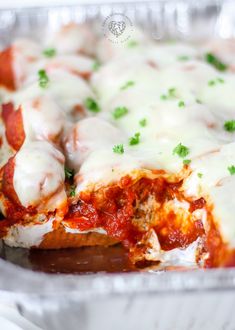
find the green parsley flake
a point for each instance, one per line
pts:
(220, 80)
(143, 122)
(92, 105)
(118, 149)
(183, 58)
(181, 150)
(211, 83)
(198, 101)
(186, 161)
(96, 65)
(215, 61)
(163, 97)
(69, 173)
(171, 91)
(134, 139)
(216, 81)
(171, 94)
(72, 191)
(229, 126)
(200, 175)
(43, 79)
(128, 84)
(49, 52)
(231, 169)
(132, 43)
(119, 112)
(181, 104)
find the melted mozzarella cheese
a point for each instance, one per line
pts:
(176, 257)
(181, 97)
(68, 90)
(194, 125)
(198, 124)
(72, 38)
(81, 140)
(42, 119)
(223, 200)
(107, 50)
(25, 54)
(224, 49)
(76, 64)
(28, 236)
(77, 231)
(33, 234)
(39, 174)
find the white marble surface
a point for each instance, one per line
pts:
(10, 319)
(208, 310)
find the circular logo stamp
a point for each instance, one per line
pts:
(117, 28)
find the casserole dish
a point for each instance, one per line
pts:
(166, 19)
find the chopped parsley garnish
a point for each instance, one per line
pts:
(43, 78)
(181, 150)
(215, 81)
(200, 175)
(128, 84)
(231, 169)
(118, 149)
(132, 43)
(134, 139)
(69, 173)
(229, 126)
(198, 101)
(215, 62)
(163, 97)
(143, 122)
(49, 52)
(211, 83)
(183, 58)
(92, 105)
(72, 191)
(220, 80)
(186, 161)
(96, 65)
(171, 91)
(181, 104)
(171, 94)
(119, 112)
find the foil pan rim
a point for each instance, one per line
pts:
(84, 286)
(119, 3)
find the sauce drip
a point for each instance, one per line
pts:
(84, 260)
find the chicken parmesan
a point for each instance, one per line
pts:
(130, 143)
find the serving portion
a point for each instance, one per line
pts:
(104, 143)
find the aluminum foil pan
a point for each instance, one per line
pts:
(198, 299)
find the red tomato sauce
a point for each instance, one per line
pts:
(120, 210)
(115, 209)
(6, 69)
(14, 125)
(219, 255)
